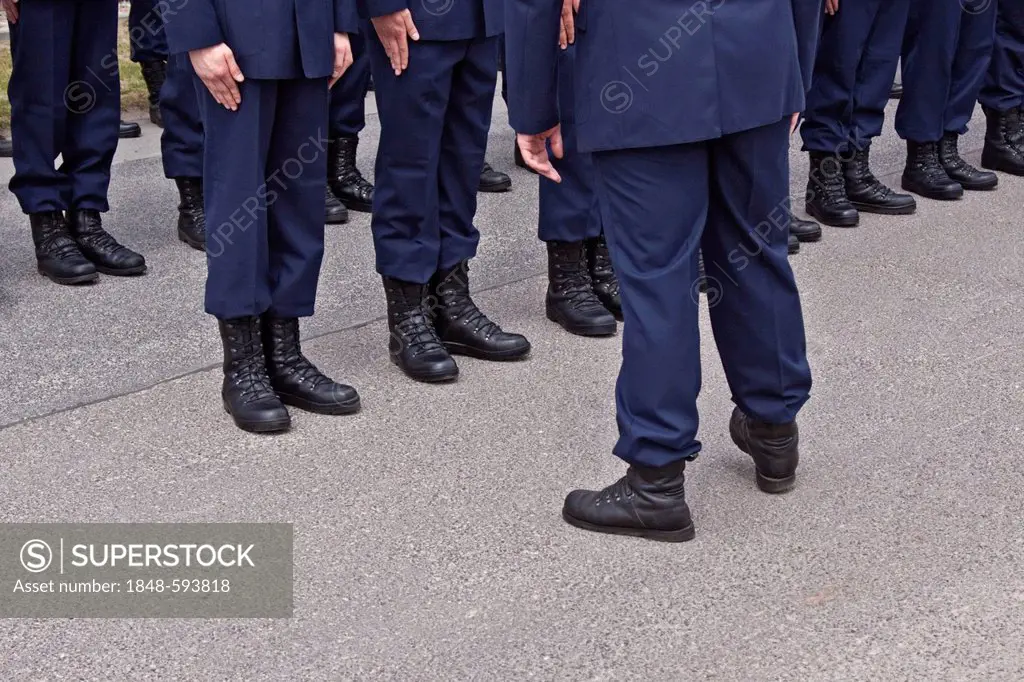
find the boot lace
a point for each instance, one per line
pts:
(60, 246)
(461, 308)
(949, 156)
(417, 332)
(576, 285)
(604, 272)
(250, 371)
(616, 492)
(832, 186)
(292, 360)
(91, 232)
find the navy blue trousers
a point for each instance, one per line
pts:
(1004, 84)
(569, 210)
(434, 120)
(348, 96)
(146, 32)
(182, 140)
(65, 94)
(264, 172)
(853, 74)
(727, 197)
(946, 55)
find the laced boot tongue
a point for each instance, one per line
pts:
(419, 333)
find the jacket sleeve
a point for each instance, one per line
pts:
(807, 18)
(346, 17)
(369, 9)
(193, 25)
(531, 63)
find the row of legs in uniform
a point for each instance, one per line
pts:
(262, 184)
(953, 54)
(262, 275)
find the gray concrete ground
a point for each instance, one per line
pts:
(428, 539)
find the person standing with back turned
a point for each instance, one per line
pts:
(265, 70)
(708, 171)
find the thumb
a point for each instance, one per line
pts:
(410, 27)
(556, 143)
(236, 73)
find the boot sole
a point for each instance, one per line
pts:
(584, 330)
(495, 356)
(808, 237)
(884, 210)
(321, 408)
(359, 206)
(949, 195)
(980, 188)
(845, 222)
(274, 426)
(766, 484)
(496, 188)
(123, 272)
(336, 220)
(682, 535)
(434, 378)
(1002, 168)
(79, 279)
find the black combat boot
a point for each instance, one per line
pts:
(191, 213)
(247, 392)
(792, 244)
(826, 198)
(154, 73)
(101, 248)
(602, 274)
(896, 91)
(924, 174)
(804, 230)
(571, 300)
(773, 448)
(128, 130)
(463, 328)
(347, 183)
(1004, 141)
(294, 378)
(867, 193)
(647, 502)
(415, 346)
(493, 181)
(958, 170)
(57, 254)
(335, 212)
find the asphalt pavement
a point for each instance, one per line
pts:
(428, 539)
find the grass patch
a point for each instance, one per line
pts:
(134, 96)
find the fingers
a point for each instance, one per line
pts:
(403, 54)
(400, 56)
(342, 60)
(535, 155)
(567, 26)
(410, 28)
(220, 94)
(230, 76)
